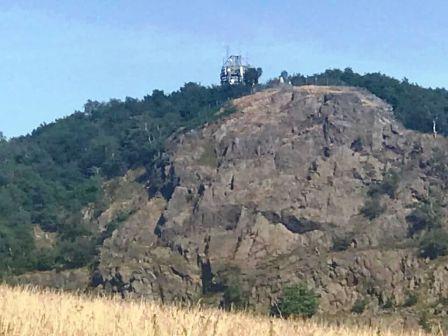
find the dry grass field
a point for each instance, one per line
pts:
(28, 311)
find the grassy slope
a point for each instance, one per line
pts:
(27, 311)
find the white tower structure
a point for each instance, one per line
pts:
(233, 70)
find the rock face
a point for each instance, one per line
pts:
(273, 195)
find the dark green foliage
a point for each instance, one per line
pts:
(229, 283)
(438, 166)
(426, 222)
(357, 145)
(390, 183)
(284, 74)
(297, 300)
(411, 300)
(76, 253)
(373, 208)
(252, 75)
(359, 306)
(388, 186)
(389, 304)
(443, 301)
(234, 297)
(434, 244)
(426, 216)
(424, 322)
(46, 178)
(342, 243)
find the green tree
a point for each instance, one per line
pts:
(426, 216)
(297, 300)
(252, 75)
(434, 244)
(284, 74)
(359, 306)
(373, 208)
(234, 297)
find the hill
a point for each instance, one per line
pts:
(48, 177)
(188, 196)
(33, 312)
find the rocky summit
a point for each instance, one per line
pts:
(308, 184)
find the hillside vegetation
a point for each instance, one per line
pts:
(46, 178)
(28, 311)
(49, 176)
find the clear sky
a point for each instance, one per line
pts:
(56, 54)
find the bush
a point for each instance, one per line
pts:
(411, 300)
(424, 322)
(425, 217)
(373, 208)
(434, 244)
(388, 186)
(359, 306)
(389, 304)
(297, 300)
(342, 243)
(357, 145)
(438, 166)
(390, 183)
(234, 298)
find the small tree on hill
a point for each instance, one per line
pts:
(252, 75)
(284, 74)
(234, 297)
(426, 216)
(297, 300)
(434, 244)
(373, 208)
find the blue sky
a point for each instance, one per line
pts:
(54, 55)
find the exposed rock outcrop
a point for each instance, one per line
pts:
(273, 195)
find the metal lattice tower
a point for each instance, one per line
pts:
(233, 70)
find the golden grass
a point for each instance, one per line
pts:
(29, 311)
